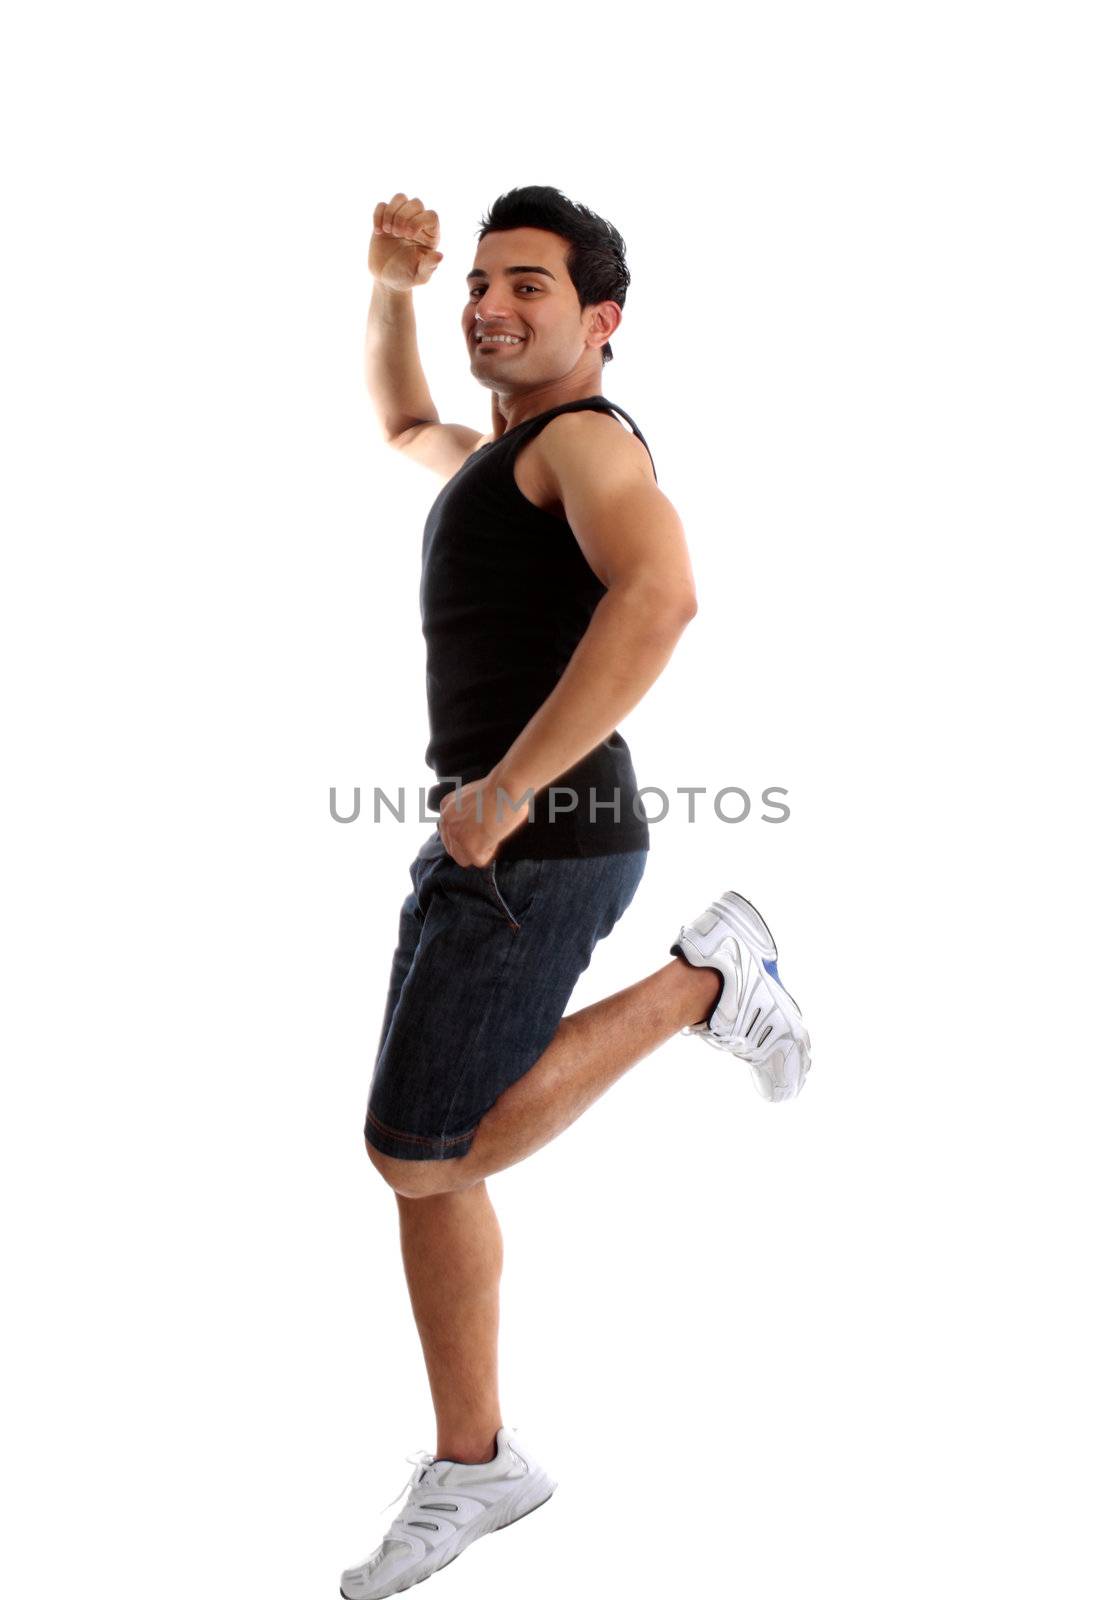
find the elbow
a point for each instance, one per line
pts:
(678, 607)
(665, 608)
(688, 606)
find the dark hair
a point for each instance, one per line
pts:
(596, 260)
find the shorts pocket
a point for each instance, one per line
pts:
(512, 885)
(432, 847)
(431, 855)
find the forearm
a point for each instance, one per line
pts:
(395, 379)
(627, 645)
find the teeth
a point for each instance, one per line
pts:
(498, 338)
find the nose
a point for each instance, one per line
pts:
(490, 306)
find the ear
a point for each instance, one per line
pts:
(600, 322)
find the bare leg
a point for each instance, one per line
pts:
(451, 1241)
(590, 1050)
(452, 1249)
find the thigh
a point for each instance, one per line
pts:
(498, 952)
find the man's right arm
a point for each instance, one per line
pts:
(403, 255)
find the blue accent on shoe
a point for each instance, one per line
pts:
(770, 968)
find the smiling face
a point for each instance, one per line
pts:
(523, 323)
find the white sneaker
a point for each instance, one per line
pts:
(756, 1018)
(450, 1505)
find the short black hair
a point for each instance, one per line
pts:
(596, 261)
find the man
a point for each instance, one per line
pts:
(555, 585)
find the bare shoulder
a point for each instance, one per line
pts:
(443, 447)
(579, 445)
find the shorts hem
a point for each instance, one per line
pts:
(415, 1146)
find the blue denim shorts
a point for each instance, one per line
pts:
(486, 961)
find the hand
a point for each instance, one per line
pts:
(470, 826)
(403, 251)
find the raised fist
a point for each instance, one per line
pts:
(403, 249)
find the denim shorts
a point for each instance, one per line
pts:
(486, 961)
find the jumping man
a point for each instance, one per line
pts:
(555, 584)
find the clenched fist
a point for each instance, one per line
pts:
(403, 249)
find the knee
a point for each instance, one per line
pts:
(413, 1180)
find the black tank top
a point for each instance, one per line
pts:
(506, 595)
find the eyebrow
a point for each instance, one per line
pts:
(477, 272)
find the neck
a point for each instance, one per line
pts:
(508, 410)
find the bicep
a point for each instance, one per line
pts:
(443, 447)
(628, 529)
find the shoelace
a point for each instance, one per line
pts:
(423, 1459)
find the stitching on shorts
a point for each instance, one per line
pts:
(418, 1138)
(507, 913)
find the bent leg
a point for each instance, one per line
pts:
(590, 1050)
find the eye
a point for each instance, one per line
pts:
(477, 288)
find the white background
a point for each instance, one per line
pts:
(852, 1344)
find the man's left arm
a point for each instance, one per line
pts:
(633, 540)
